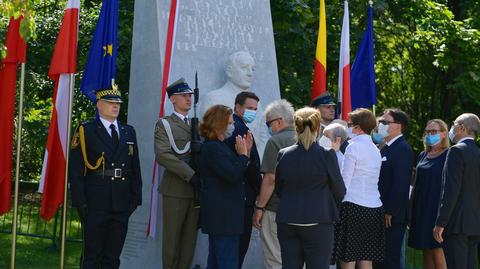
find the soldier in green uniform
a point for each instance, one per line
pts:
(105, 181)
(172, 151)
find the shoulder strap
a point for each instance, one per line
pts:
(168, 130)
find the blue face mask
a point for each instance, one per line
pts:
(432, 140)
(270, 131)
(451, 135)
(377, 138)
(249, 115)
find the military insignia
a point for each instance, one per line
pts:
(76, 140)
(130, 149)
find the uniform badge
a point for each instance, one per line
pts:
(130, 148)
(76, 140)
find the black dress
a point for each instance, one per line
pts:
(426, 198)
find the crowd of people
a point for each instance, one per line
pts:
(330, 192)
(325, 193)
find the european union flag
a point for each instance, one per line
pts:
(362, 76)
(101, 65)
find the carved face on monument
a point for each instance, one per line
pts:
(240, 69)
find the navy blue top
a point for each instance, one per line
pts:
(426, 197)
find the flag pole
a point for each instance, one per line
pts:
(67, 157)
(17, 168)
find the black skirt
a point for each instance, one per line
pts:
(360, 234)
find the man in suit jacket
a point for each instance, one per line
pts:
(172, 151)
(458, 220)
(394, 183)
(245, 112)
(105, 181)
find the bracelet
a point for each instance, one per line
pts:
(260, 208)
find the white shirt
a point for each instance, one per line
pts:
(361, 171)
(340, 158)
(180, 116)
(389, 143)
(107, 124)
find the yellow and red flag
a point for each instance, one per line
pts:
(319, 85)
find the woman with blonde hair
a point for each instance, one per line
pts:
(309, 184)
(426, 194)
(222, 201)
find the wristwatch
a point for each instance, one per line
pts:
(260, 208)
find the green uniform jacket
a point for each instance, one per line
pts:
(177, 173)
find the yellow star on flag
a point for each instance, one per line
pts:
(108, 49)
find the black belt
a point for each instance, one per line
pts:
(116, 173)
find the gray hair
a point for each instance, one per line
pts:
(470, 121)
(281, 109)
(337, 130)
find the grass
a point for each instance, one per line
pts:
(37, 253)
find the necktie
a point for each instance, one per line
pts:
(185, 119)
(114, 135)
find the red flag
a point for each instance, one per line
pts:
(63, 64)
(344, 67)
(16, 53)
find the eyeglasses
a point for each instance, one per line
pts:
(432, 131)
(268, 123)
(385, 122)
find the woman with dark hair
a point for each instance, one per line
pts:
(221, 172)
(360, 234)
(309, 184)
(426, 194)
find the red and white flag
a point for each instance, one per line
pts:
(344, 67)
(63, 65)
(16, 53)
(158, 169)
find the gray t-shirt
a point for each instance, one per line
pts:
(278, 141)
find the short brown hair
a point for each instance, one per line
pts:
(364, 119)
(243, 96)
(214, 121)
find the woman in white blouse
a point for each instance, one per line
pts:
(360, 235)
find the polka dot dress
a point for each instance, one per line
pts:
(360, 234)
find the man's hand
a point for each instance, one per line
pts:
(438, 233)
(257, 218)
(388, 220)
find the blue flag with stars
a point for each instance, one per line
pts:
(101, 65)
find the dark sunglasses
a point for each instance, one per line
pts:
(268, 123)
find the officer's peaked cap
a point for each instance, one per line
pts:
(178, 87)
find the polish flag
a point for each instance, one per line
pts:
(344, 67)
(158, 169)
(16, 53)
(62, 68)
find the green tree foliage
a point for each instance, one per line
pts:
(38, 86)
(426, 54)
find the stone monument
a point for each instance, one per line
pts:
(207, 33)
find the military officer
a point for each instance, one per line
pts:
(105, 181)
(172, 151)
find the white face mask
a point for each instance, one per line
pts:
(383, 130)
(229, 131)
(325, 142)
